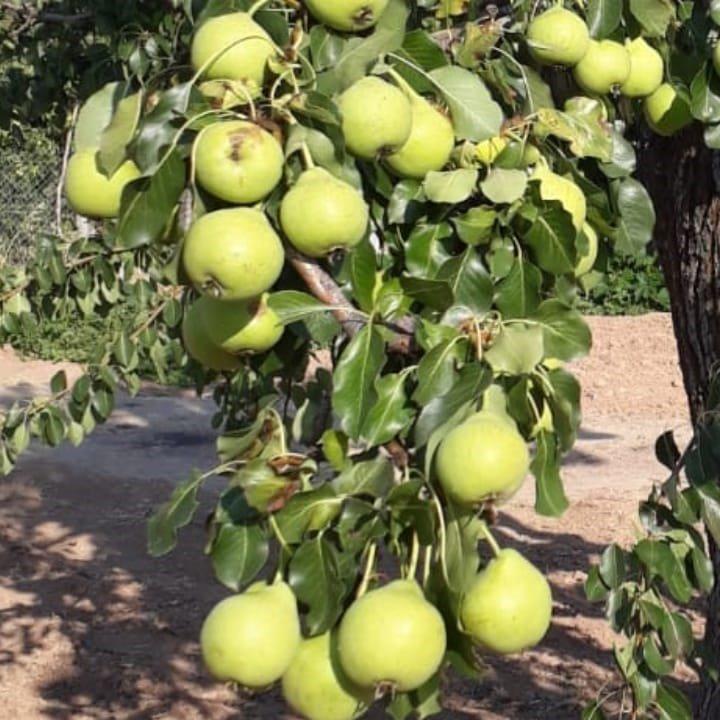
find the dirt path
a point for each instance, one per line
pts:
(91, 627)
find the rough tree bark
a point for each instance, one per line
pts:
(683, 177)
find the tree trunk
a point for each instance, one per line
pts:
(683, 177)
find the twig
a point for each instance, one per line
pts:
(63, 173)
(324, 288)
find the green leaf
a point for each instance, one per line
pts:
(96, 115)
(476, 225)
(467, 388)
(595, 588)
(654, 659)
(359, 53)
(653, 15)
(469, 281)
(672, 703)
(292, 305)
(550, 498)
(373, 478)
(517, 350)
(453, 186)
(612, 566)
(118, 134)
(354, 391)
(475, 115)
(238, 554)
(390, 414)
(566, 335)
(676, 633)
(148, 202)
(314, 576)
(551, 237)
(424, 249)
(363, 274)
(565, 406)
(436, 371)
(637, 217)
(603, 17)
(178, 512)
(304, 510)
(518, 295)
(504, 186)
(464, 530)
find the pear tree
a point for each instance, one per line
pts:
(362, 226)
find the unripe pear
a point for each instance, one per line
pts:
(483, 458)
(247, 50)
(566, 192)
(321, 213)
(376, 117)
(316, 687)
(242, 326)
(488, 151)
(508, 607)
(393, 636)
(646, 69)
(238, 161)
(91, 193)
(200, 347)
(233, 254)
(605, 65)
(666, 111)
(252, 638)
(558, 37)
(347, 15)
(430, 144)
(586, 261)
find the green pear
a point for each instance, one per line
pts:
(508, 607)
(558, 37)
(321, 213)
(586, 261)
(430, 144)
(646, 69)
(316, 687)
(200, 347)
(393, 636)
(376, 117)
(606, 65)
(252, 638)
(566, 192)
(238, 161)
(91, 193)
(666, 111)
(242, 326)
(347, 15)
(233, 254)
(247, 50)
(483, 458)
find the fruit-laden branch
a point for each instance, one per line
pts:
(324, 288)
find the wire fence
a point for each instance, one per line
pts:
(30, 171)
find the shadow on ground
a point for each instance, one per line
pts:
(92, 627)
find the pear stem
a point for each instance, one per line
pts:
(414, 557)
(257, 6)
(369, 569)
(427, 558)
(443, 533)
(401, 82)
(491, 540)
(307, 156)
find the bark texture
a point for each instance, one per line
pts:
(683, 177)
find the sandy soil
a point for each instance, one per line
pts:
(91, 627)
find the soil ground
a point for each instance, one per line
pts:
(91, 627)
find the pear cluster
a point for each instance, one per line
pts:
(391, 639)
(635, 69)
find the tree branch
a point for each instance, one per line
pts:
(324, 288)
